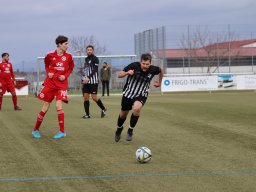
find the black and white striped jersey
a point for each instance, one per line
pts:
(90, 69)
(138, 84)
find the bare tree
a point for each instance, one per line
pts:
(78, 44)
(208, 50)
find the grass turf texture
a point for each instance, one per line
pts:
(199, 142)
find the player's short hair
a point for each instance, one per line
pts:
(90, 46)
(4, 54)
(146, 57)
(61, 39)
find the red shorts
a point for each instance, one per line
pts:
(7, 87)
(47, 94)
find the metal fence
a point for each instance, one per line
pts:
(116, 62)
(201, 48)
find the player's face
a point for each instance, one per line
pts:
(145, 65)
(64, 46)
(89, 51)
(6, 58)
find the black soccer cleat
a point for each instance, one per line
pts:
(118, 134)
(129, 137)
(103, 113)
(86, 117)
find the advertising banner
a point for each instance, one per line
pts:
(21, 88)
(189, 83)
(246, 82)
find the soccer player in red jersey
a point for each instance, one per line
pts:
(58, 65)
(7, 80)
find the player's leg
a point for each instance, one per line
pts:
(61, 95)
(94, 90)
(86, 95)
(39, 119)
(137, 106)
(60, 111)
(46, 95)
(126, 107)
(11, 89)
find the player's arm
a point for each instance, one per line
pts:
(128, 70)
(13, 76)
(47, 66)
(160, 75)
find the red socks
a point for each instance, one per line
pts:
(39, 120)
(61, 120)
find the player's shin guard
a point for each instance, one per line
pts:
(39, 120)
(86, 107)
(61, 120)
(14, 100)
(133, 122)
(100, 104)
(120, 121)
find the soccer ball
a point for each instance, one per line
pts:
(143, 155)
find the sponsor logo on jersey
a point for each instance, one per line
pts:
(59, 64)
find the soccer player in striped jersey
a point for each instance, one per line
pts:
(59, 65)
(7, 80)
(90, 81)
(135, 92)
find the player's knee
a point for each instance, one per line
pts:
(136, 111)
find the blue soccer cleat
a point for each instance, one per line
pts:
(59, 135)
(36, 134)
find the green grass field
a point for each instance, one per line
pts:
(200, 142)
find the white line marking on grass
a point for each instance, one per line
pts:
(178, 174)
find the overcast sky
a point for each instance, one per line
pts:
(29, 27)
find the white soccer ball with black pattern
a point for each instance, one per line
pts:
(143, 154)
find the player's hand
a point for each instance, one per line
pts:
(14, 82)
(86, 80)
(157, 84)
(61, 77)
(50, 75)
(130, 72)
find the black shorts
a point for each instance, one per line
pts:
(127, 103)
(90, 88)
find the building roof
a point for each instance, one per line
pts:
(237, 48)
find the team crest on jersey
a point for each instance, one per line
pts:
(63, 58)
(54, 59)
(8, 65)
(149, 76)
(41, 95)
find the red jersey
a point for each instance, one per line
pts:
(58, 65)
(6, 72)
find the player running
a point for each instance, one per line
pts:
(58, 65)
(7, 80)
(135, 91)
